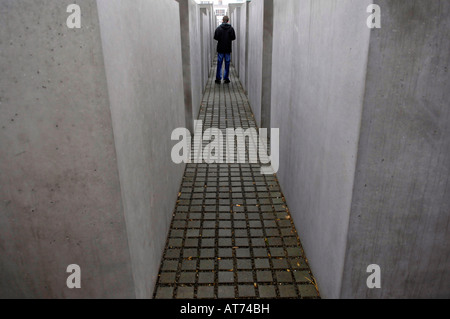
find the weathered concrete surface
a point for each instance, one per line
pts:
(258, 71)
(191, 59)
(401, 203)
(266, 77)
(59, 184)
(196, 57)
(239, 19)
(85, 171)
(255, 53)
(342, 93)
(234, 10)
(206, 40)
(320, 53)
(242, 36)
(142, 50)
(197, 53)
(185, 28)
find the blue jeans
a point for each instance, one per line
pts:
(220, 58)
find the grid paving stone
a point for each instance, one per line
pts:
(226, 277)
(226, 264)
(225, 252)
(287, 291)
(189, 265)
(298, 263)
(258, 242)
(207, 264)
(207, 253)
(175, 242)
(307, 291)
(245, 276)
(167, 278)
(284, 276)
(187, 278)
(302, 277)
(264, 276)
(277, 252)
(240, 233)
(293, 252)
(244, 264)
(267, 292)
(246, 291)
(170, 265)
(243, 252)
(205, 292)
(206, 278)
(185, 293)
(280, 263)
(231, 225)
(225, 232)
(208, 242)
(260, 252)
(164, 293)
(262, 263)
(225, 242)
(190, 242)
(208, 233)
(226, 292)
(190, 253)
(173, 253)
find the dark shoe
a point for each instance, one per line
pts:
(218, 81)
(227, 81)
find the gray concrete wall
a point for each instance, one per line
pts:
(212, 28)
(59, 183)
(185, 29)
(191, 59)
(266, 77)
(242, 39)
(401, 203)
(197, 52)
(320, 53)
(364, 126)
(232, 13)
(141, 44)
(206, 39)
(235, 21)
(239, 19)
(85, 171)
(196, 57)
(255, 60)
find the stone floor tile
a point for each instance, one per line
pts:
(164, 293)
(307, 291)
(231, 225)
(287, 291)
(205, 292)
(226, 292)
(185, 293)
(246, 291)
(267, 292)
(226, 277)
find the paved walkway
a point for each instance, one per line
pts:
(232, 235)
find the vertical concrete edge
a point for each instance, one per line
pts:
(115, 152)
(186, 60)
(267, 64)
(357, 158)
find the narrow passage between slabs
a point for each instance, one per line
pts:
(232, 235)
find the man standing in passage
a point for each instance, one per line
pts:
(225, 35)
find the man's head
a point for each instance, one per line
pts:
(226, 19)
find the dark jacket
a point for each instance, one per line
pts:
(225, 35)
